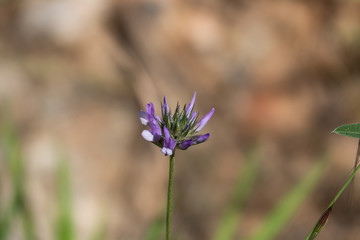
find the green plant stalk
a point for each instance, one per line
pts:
(316, 229)
(357, 156)
(345, 185)
(168, 209)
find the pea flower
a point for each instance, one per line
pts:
(178, 130)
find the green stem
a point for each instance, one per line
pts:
(322, 221)
(168, 210)
(345, 185)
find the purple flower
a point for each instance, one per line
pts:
(177, 130)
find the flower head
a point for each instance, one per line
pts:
(177, 130)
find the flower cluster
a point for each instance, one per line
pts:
(177, 130)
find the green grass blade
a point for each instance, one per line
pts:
(64, 223)
(232, 216)
(14, 163)
(285, 209)
(349, 130)
(5, 222)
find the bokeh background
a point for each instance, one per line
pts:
(281, 75)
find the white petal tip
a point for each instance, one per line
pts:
(147, 135)
(143, 117)
(167, 151)
(144, 121)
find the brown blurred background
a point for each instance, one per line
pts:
(281, 75)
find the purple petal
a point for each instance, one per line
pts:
(202, 138)
(150, 109)
(191, 105)
(165, 106)
(155, 128)
(147, 135)
(204, 120)
(172, 144)
(143, 117)
(166, 133)
(185, 144)
(169, 143)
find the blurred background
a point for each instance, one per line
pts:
(75, 73)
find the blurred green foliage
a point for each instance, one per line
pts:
(17, 208)
(230, 220)
(285, 209)
(64, 223)
(156, 229)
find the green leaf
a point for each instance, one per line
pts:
(349, 130)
